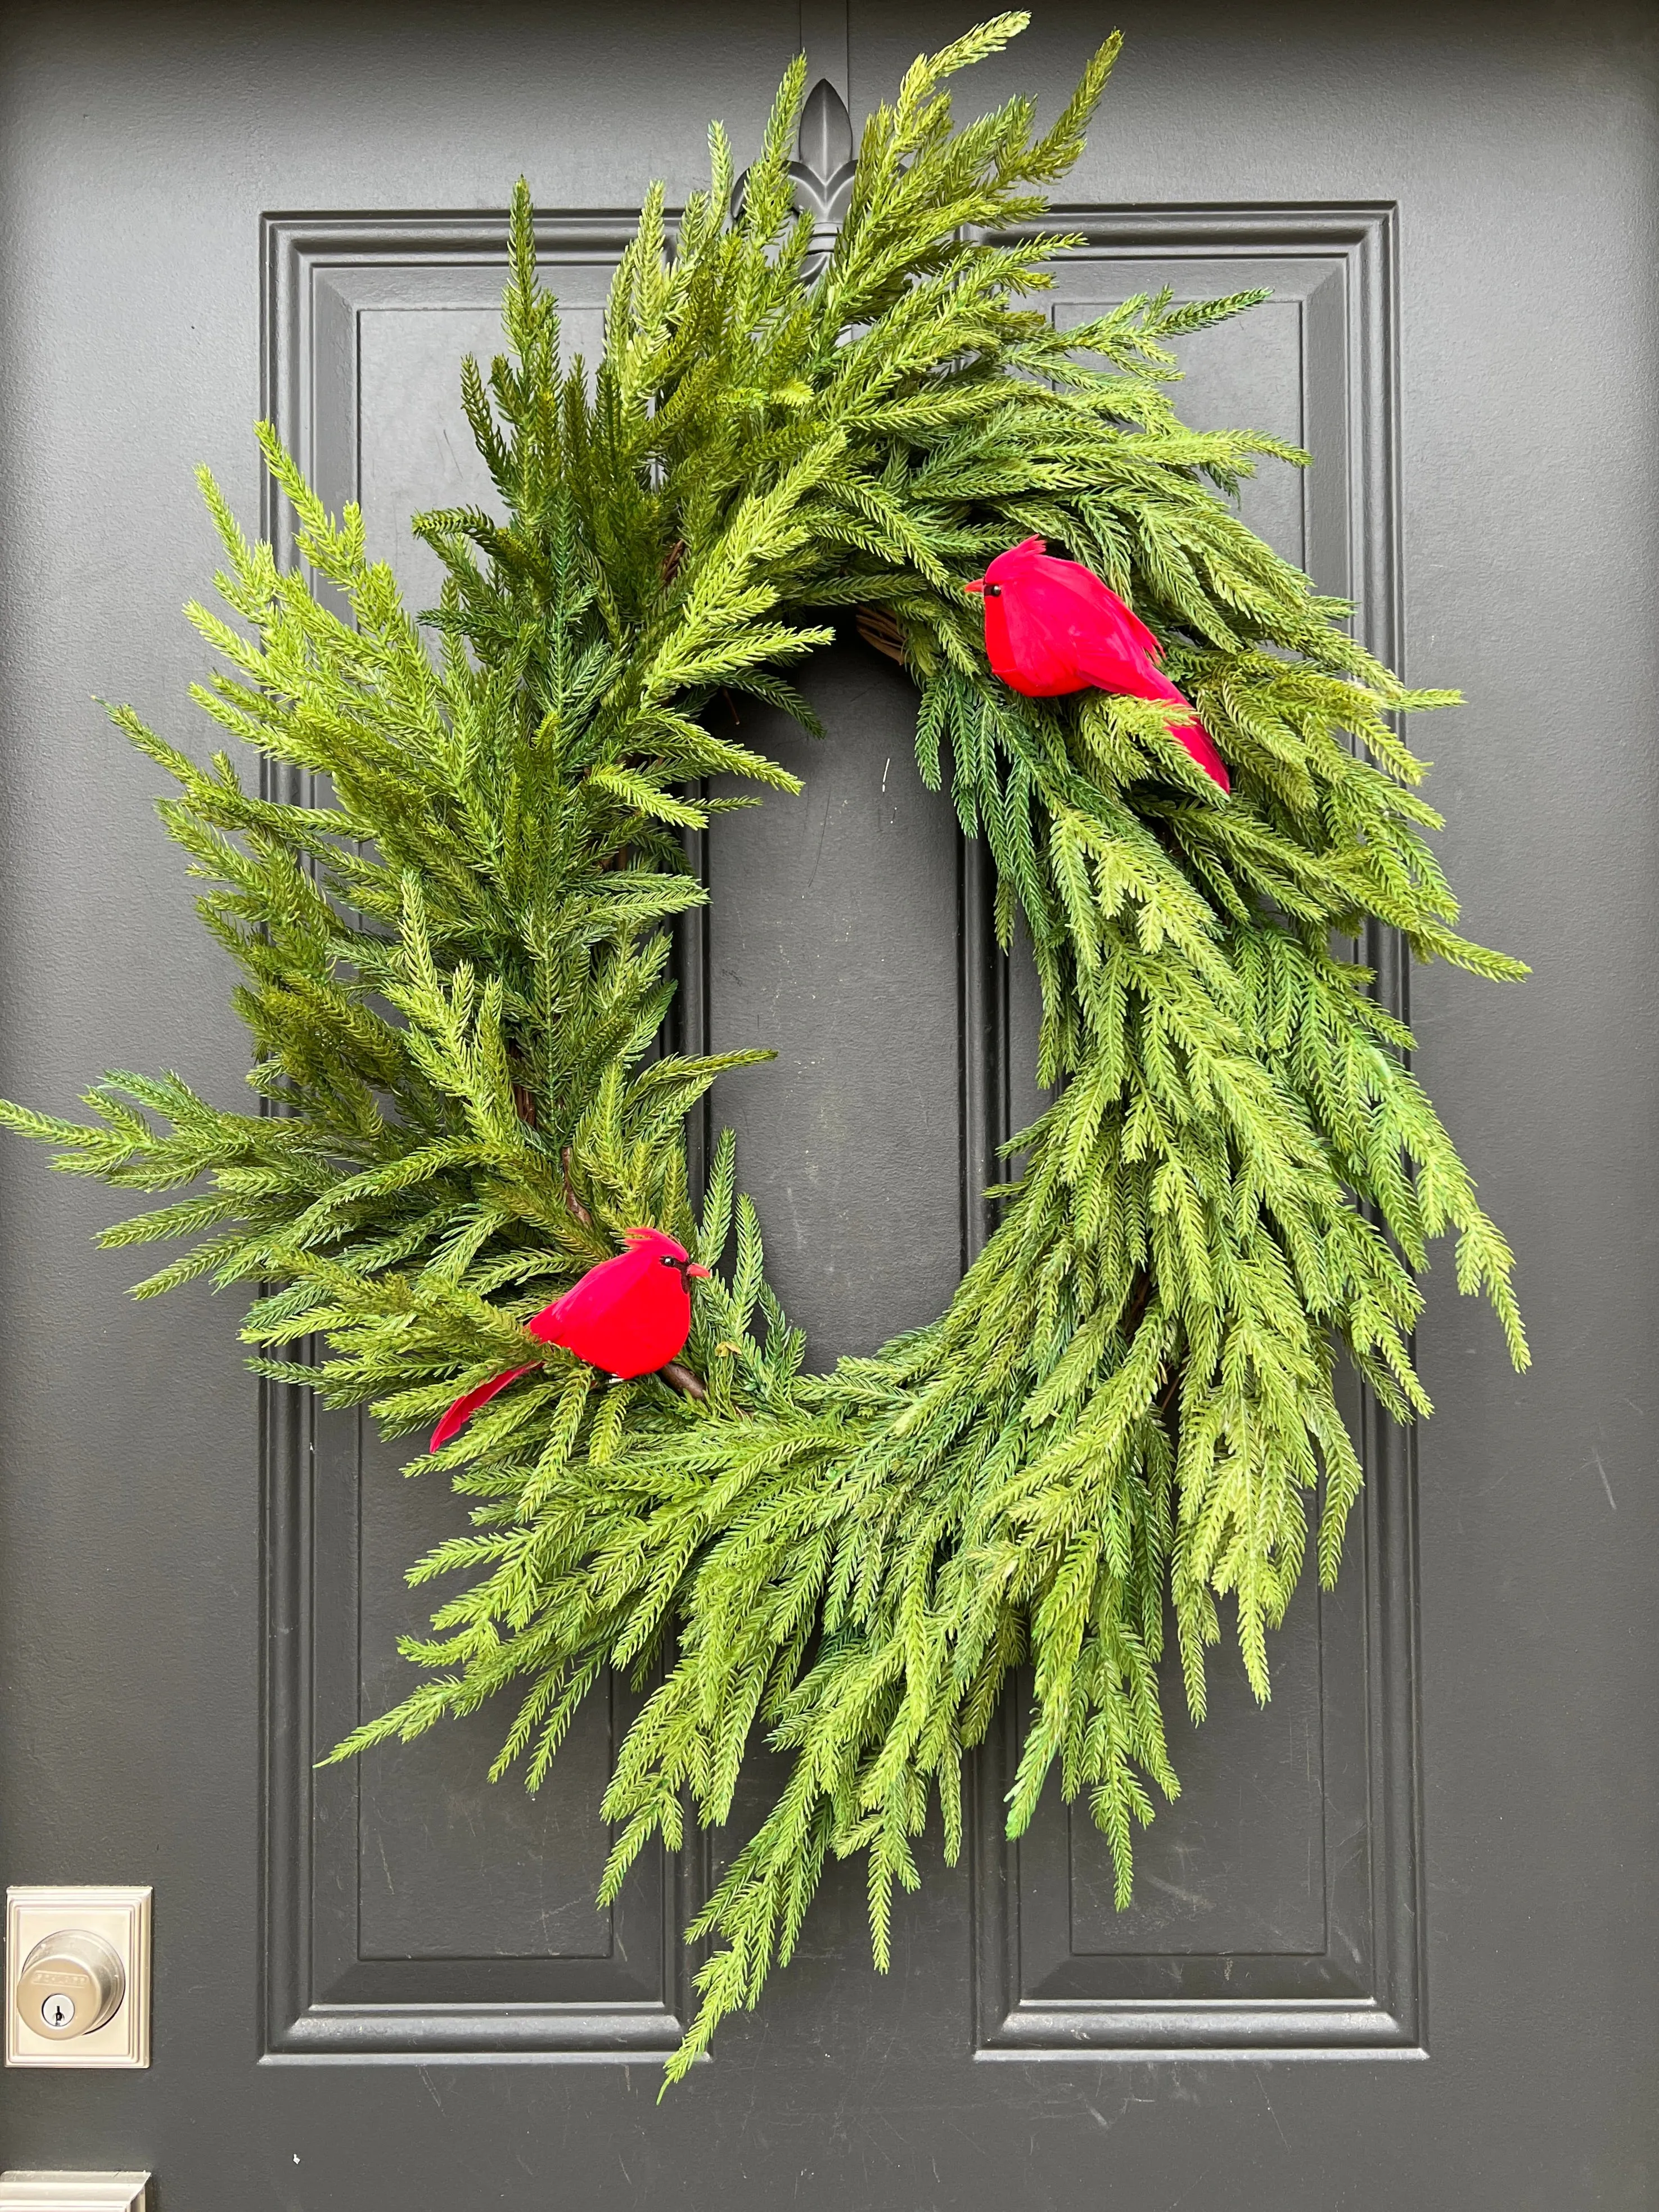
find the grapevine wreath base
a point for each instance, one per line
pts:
(455, 967)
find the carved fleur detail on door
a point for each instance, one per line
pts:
(821, 171)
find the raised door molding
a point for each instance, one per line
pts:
(398, 1924)
(1245, 1939)
(1245, 1963)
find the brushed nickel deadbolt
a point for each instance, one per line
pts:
(70, 1984)
(77, 1977)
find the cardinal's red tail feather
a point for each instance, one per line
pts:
(1201, 745)
(468, 1404)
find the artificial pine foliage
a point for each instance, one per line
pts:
(455, 965)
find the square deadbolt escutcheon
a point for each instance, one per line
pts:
(76, 1939)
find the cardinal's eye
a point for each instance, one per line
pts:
(994, 591)
(667, 1260)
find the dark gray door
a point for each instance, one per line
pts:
(1394, 1946)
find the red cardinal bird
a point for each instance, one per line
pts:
(629, 1315)
(1052, 626)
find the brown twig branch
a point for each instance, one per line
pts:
(877, 627)
(682, 1380)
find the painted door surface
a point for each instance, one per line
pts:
(1394, 1946)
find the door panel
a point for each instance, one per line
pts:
(386, 1985)
(410, 1901)
(1276, 1908)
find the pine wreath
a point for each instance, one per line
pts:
(455, 968)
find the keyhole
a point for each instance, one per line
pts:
(57, 2011)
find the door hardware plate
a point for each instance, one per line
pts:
(121, 1916)
(74, 2192)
